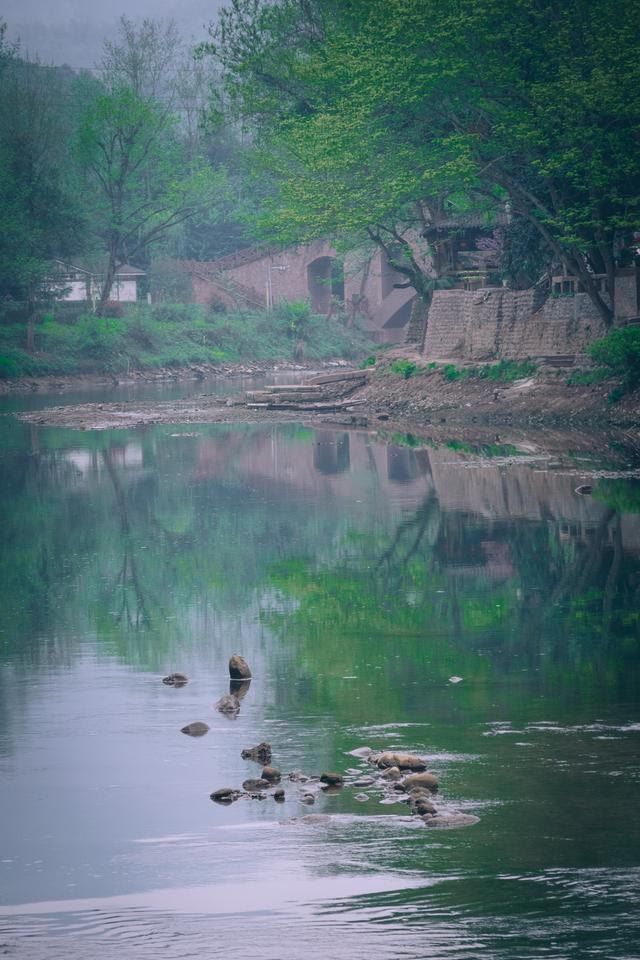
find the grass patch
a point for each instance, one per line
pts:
(484, 449)
(173, 335)
(505, 371)
(585, 378)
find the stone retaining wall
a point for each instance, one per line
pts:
(493, 323)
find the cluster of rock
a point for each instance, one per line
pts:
(398, 777)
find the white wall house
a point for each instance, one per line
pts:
(75, 284)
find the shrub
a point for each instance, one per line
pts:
(406, 368)
(619, 352)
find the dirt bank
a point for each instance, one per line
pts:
(187, 372)
(536, 411)
(545, 398)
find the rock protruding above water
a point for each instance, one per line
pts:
(426, 780)
(279, 795)
(225, 795)
(255, 786)
(392, 773)
(271, 775)
(332, 779)
(196, 729)
(239, 668)
(261, 753)
(404, 761)
(176, 679)
(228, 704)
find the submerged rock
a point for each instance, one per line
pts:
(404, 761)
(239, 668)
(308, 798)
(225, 795)
(196, 729)
(297, 777)
(260, 753)
(228, 704)
(450, 821)
(176, 679)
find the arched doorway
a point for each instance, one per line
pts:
(325, 283)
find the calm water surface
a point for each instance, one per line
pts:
(357, 576)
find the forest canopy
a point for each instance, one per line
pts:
(378, 114)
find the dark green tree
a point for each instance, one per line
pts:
(40, 210)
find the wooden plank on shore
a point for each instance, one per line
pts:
(323, 378)
(321, 407)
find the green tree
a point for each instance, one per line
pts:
(374, 113)
(139, 174)
(40, 212)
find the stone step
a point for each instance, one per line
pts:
(561, 360)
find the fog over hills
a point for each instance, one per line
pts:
(73, 31)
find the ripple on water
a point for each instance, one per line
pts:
(555, 914)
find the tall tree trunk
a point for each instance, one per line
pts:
(109, 280)
(31, 324)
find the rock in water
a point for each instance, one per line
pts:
(239, 687)
(228, 704)
(279, 795)
(450, 821)
(225, 795)
(404, 761)
(176, 679)
(255, 786)
(196, 729)
(428, 780)
(271, 774)
(423, 806)
(260, 753)
(239, 668)
(332, 779)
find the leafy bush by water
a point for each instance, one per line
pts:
(619, 352)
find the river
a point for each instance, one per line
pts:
(462, 603)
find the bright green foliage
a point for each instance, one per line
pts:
(405, 368)
(619, 352)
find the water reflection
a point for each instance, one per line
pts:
(357, 577)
